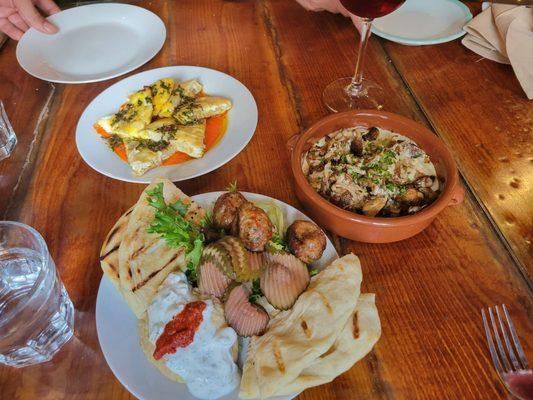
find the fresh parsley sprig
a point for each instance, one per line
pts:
(170, 224)
(256, 292)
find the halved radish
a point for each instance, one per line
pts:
(246, 318)
(220, 257)
(211, 280)
(284, 279)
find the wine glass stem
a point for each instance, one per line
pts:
(355, 88)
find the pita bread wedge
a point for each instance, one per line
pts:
(295, 339)
(360, 333)
(109, 250)
(145, 260)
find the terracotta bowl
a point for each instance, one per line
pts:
(375, 229)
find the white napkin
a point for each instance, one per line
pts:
(504, 33)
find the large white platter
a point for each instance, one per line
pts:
(116, 326)
(424, 22)
(95, 42)
(242, 121)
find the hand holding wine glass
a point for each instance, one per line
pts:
(333, 6)
(357, 93)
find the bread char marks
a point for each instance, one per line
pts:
(306, 329)
(110, 248)
(279, 359)
(106, 255)
(137, 253)
(141, 284)
(355, 326)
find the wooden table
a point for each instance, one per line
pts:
(430, 288)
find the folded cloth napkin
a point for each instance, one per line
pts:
(504, 33)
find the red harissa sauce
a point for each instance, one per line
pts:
(179, 332)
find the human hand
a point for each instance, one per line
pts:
(333, 6)
(17, 16)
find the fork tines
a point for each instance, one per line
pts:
(514, 358)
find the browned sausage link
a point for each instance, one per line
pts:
(306, 241)
(225, 209)
(253, 227)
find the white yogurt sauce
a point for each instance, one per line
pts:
(206, 365)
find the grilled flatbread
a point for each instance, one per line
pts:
(144, 258)
(360, 333)
(296, 338)
(109, 250)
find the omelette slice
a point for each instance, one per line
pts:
(161, 92)
(182, 92)
(165, 139)
(189, 139)
(203, 107)
(132, 117)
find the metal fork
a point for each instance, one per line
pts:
(512, 367)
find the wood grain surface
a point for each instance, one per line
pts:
(429, 288)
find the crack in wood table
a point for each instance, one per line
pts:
(430, 288)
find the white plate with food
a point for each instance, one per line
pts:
(423, 22)
(95, 42)
(178, 122)
(227, 295)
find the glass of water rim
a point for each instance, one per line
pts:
(36, 313)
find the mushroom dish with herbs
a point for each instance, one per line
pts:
(371, 171)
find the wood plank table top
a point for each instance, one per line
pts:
(429, 288)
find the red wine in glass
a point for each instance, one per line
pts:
(355, 92)
(371, 8)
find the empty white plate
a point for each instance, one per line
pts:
(116, 326)
(94, 43)
(423, 22)
(242, 121)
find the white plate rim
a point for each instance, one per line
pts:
(156, 49)
(105, 284)
(422, 42)
(144, 179)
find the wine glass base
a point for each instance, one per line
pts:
(338, 99)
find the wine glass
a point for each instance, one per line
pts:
(355, 92)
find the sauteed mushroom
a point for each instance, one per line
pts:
(306, 241)
(373, 206)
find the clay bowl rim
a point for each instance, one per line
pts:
(445, 199)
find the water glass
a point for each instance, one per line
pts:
(36, 313)
(8, 139)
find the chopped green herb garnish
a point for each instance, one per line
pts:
(314, 272)
(153, 145)
(170, 224)
(114, 141)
